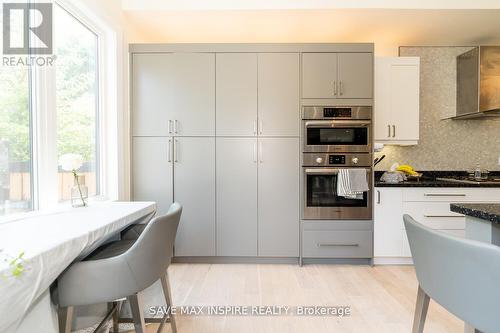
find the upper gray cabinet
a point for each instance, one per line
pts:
(257, 94)
(278, 94)
(173, 94)
(236, 94)
(337, 75)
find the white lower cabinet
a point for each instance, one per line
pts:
(429, 206)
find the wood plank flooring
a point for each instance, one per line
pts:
(381, 298)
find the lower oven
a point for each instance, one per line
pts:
(321, 201)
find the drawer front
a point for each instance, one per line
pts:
(451, 194)
(337, 244)
(435, 215)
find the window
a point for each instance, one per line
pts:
(76, 99)
(50, 107)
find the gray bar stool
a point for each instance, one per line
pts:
(460, 274)
(122, 269)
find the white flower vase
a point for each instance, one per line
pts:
(79, 192)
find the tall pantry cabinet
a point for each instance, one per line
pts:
(219, 133)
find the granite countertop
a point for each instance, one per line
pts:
(483, 211)
(429, 180)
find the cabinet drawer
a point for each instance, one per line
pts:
(337, 244)
(435, 215)
(451, 194)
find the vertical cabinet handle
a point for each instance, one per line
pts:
(169, 150)
(255, 152)
(341, 88)
(260, 126)
(255, 127)
(334, 88)
(176, 147)
(260, 152)
(393, 131)
(388, 131)
(175, 126)
(378, 196)
(169, 126)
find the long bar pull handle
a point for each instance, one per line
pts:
(169, 126)
(336, 244)
(175, 150)
(378, 196)
(175, 126)
(169, 150)
(335, 88)
(393, 131)
(260, 152)
(388, 131)
(255, 152)
(255, 127)
(260, 126)
(444, 194)
(341, 88)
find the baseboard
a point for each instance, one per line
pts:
(337, 261)
(236, 260)
(393, 261)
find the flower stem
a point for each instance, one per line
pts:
(79, 190)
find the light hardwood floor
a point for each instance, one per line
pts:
(381, 298)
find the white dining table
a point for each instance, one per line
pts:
(51, 241)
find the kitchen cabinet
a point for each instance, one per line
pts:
(173, 94)
(337, 75)
(278, 94)
(236, 196)
(194, 188)
(154, 179)
(152, 171)
(429, 206)
(278, 197)
(236, 94)
(397, 95)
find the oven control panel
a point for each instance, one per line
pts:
(347, 159)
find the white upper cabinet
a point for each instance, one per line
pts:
(319, 75)
(397, 95)
(278, 94)
(173, 94)
(355, 75)
(236, 90)
(337, 75)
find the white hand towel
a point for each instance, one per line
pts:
(352, 183)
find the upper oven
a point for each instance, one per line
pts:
(337, 129)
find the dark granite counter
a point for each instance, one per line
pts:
(484, 211)
(429, 179)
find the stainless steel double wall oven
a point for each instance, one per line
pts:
(333, 138)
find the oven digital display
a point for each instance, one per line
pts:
(336, 159)
(337, 112)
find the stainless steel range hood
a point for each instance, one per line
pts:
(478, 83)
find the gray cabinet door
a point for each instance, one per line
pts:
(152, 177)
(236, 90)
(278, 197)
(173, 93)
(149, 114)
(236, 166)
(194, 184)
(319, 75)
(279, 94)
(355, 75)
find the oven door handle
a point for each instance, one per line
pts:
(325, 171)
(337, 123)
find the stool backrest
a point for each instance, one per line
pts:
(152, 252)
(462, 275)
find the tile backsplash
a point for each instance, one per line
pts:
(444, 144)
